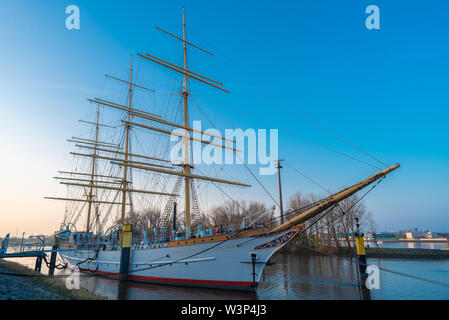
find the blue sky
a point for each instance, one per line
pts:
(384, 90)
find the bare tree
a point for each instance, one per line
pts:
(351, 208)
(143, 221)
(371, 226)
(339, 220)
(296, 205)
(232, 213)
(332, 222)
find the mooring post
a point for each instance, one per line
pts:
(361, 259)
(38, 264)
(54, 248)
(125, 252)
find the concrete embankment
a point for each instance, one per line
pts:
(396, 253)
(28, 284)
(406, 253)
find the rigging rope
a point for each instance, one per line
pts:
(246, 166)
(320, 123)
(301, 138)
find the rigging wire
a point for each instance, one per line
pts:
(307, 177)
(300, 138)
(215, 184)
(302, 231)
(320, 123)
(246, 166)
(317, 184)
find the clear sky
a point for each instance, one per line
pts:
(384, 90)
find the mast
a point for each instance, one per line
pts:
(186, 164)
(91, 183)
(188, 74)
(108, 147)
(127, 126)
(281, 208)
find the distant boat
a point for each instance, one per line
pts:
(429, 238)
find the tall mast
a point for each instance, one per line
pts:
(186, 125)
(90, 196)
(188, 74)
(127, 126)
(281, 208)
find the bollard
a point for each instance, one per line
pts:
(125, 253)
(361, 261)
(54, 253)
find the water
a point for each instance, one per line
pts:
(393, 286)
(296, 276)
(323, 277)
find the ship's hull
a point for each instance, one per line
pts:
(224, 264)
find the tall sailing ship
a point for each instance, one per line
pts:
(173, 252)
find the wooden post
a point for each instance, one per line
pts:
(51, 269)
(38, 265)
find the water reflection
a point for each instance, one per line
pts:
(122, 290)
(310, 277)
(293, 276)
(143, 291)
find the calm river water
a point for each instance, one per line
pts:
(302, 276)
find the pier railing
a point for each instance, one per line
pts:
(31, 247)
